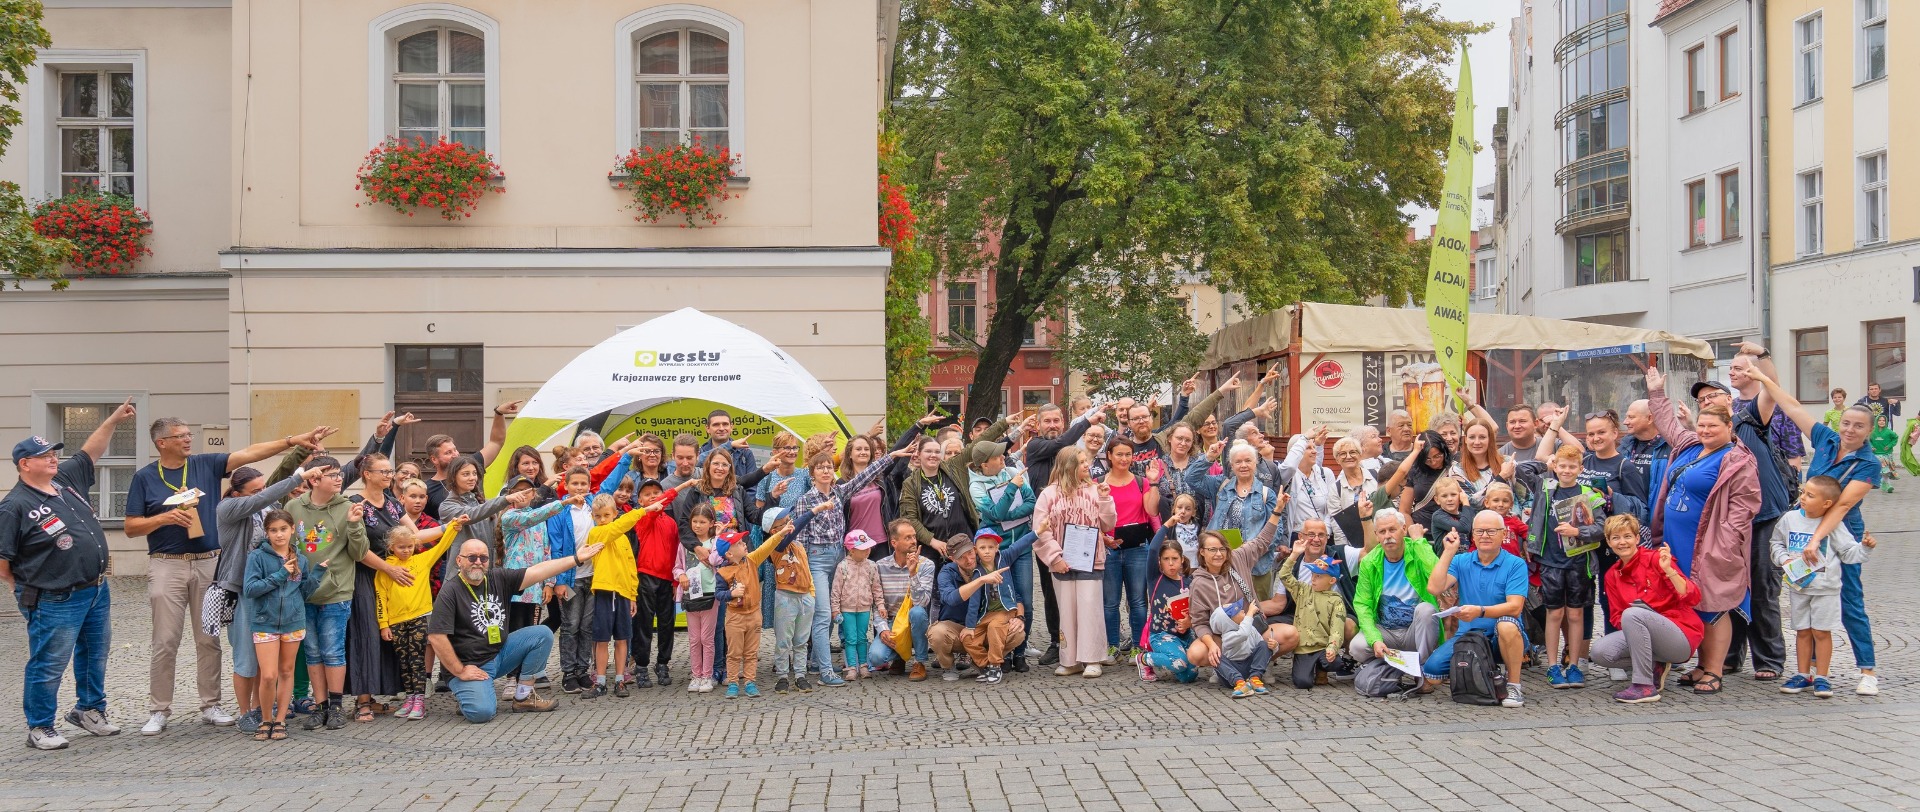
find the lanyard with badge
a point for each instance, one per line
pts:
(493, 629)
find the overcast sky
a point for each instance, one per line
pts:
(1488, 52)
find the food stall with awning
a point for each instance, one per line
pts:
(1345, 366)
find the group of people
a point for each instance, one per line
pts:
(1175, 541)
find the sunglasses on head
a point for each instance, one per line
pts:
(1603, 413)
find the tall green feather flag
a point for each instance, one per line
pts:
(1447, 261)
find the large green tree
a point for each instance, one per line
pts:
(24, 254)
(1270, 143)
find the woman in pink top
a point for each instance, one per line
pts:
(1074, 499)
(1136, 505)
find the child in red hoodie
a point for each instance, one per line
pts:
(657, 550)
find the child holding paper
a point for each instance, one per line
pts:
(1564, 530)
(1813, 573)
(1169, 629)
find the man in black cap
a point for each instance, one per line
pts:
(54, 556)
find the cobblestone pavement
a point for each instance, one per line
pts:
(1067, 743)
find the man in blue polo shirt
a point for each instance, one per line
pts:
(1493, 599)
(183, 550)
(54, 556)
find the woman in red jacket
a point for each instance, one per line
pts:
(1652, 603)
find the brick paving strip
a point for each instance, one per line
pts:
(1037, 740)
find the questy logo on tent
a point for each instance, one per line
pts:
(697, 358)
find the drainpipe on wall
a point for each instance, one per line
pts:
(1762, 188)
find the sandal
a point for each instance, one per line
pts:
(1707, 684)
(364, 713)
(279, 731)
(1691, 677)
(265, 732)
(1766, 675)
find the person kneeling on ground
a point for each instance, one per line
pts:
(1652, 603)
(468, 631)
(995, 615)
(1493, 594)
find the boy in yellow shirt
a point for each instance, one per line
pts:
(616, 585)
(403, 610)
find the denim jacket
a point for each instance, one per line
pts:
(279, 603)
(1254, 508)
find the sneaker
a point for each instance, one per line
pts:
(156, 724)
(661, 676)
(1822, 688)
(620, 688)
(963, 663)
(248, 723)
(917, 672)
(216, 716)
(441, 685)
(640, 679)
(1637, 695)
(780, 686)
(1213, 679)
(1241, 691)
(950, 675)
(707, 685)
(1869, 685)
(1067, 670)
(830, 679)
(418, 708)
(45, 738)
(1113, 655)
(1092, 671)
(570, 685)
(336, 717)
(304, 705)
(693, 685)
(314, 721)
(1795, 684)
(733, 690)
(1018, 664)
(540, 683)
(1514, 699)
(802, 685)
(1660, 674)
(1575, 679)
(1618, 675)
(1146, 671)
(1051, 656)
(752, 691)
(1345, 669)
(95, 722)
(595, 691)
(1258, 686)
(535, 703)
(1556, 676)
(991, 675)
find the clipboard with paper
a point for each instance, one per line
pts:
(1078, 546)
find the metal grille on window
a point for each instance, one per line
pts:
(681, 85)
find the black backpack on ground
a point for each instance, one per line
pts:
(1472, 673)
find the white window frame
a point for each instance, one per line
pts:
(1808, 72)
(1696, 217)
(628, 34)
(1810, 225)
(42, 402)
(43, 102)
(1865, 13)
(383, 37)
(1873, 190)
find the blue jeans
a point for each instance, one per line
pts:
(525, 651)
(1254, 665)
(880, 655)
(1170, 652)
(792, 627)
(1022, 571)
(1125, 569)
(821, 562)
(1440, 663)
(240, 640)
(1853, 615)
(766, 593)
(326, 642)
(74, 628)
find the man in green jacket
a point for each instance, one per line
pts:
(1391, 604)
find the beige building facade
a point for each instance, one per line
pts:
(278, 295)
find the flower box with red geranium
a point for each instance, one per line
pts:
(442, 176)
(683, 180)
(108, 233)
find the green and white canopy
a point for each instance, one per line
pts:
(665, 376)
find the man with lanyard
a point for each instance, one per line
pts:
(441, 451)
(720, 435)
(467, 631)
(1646, 466)
(54, 557)
(1761, 632)
(183, 551)
(1858, 472)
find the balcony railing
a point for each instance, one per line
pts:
(1589, 218)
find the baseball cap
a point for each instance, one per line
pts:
(1324, 565)
(517, 481)
(987, 533)
(34, 446)
(859, 540)
(1695, 391)
(771, 517)
(985, 451)
(722, 542)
